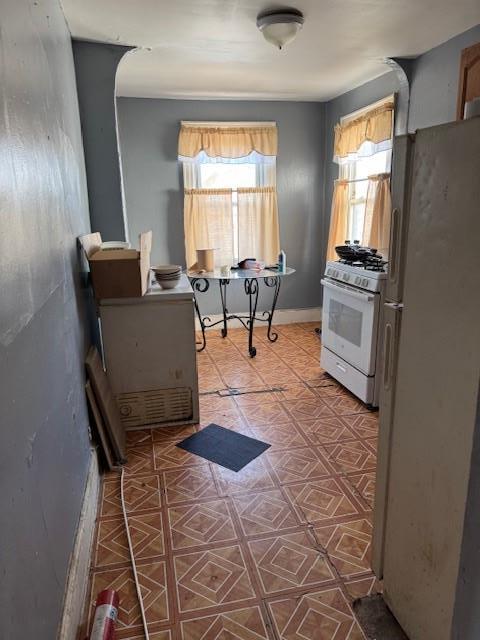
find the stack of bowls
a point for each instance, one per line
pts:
(167, 275)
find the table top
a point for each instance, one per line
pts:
(240, 274)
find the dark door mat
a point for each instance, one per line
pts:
(224, 447)
(377, 620)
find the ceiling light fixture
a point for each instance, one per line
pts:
(280, 27)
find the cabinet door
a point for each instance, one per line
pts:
(469, 81)
(149, 345)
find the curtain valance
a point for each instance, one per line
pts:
(374, 126)
(227, 141)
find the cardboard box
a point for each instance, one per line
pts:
(118, 273)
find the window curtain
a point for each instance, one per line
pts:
(208, 224)
(338, 218)
(378, 209)
(363, 136)
(209, 213)
(227, 141)
(258, 224)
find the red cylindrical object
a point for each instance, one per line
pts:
(106, 612)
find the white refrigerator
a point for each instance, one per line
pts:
(426, 544)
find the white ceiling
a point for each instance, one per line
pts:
(212, 48)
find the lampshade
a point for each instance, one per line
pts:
(280, 28)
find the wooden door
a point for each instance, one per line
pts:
(469, 81)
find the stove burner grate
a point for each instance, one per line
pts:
(372, 263)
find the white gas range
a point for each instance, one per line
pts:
(353, 299)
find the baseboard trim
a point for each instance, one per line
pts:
(282, 316)
(77, 580)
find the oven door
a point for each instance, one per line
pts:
(349, 324)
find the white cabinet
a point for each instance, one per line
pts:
(150, 356)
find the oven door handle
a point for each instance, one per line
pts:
(354, 293)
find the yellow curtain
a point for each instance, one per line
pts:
(227, 142)
(208, 224)
(338, 218)
(378, 210)
(258, 230)
(375, 125)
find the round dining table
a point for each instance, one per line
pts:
(250, 278)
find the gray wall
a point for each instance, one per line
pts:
(148, 130)
(44, 447)
(95, 68)
(435, 82)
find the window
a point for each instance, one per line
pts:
(230, 205)
(361, 202)
(356, 173)
(220, 175)
(227, 176)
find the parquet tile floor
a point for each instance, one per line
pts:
(277, 551)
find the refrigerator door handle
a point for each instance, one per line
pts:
(388, 356)
(389, 347)
(396, 306)
(395, 239)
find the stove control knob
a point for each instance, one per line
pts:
(329, 271)
(358, 280)
(346, 277)
(335, 274)
(365, 282)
